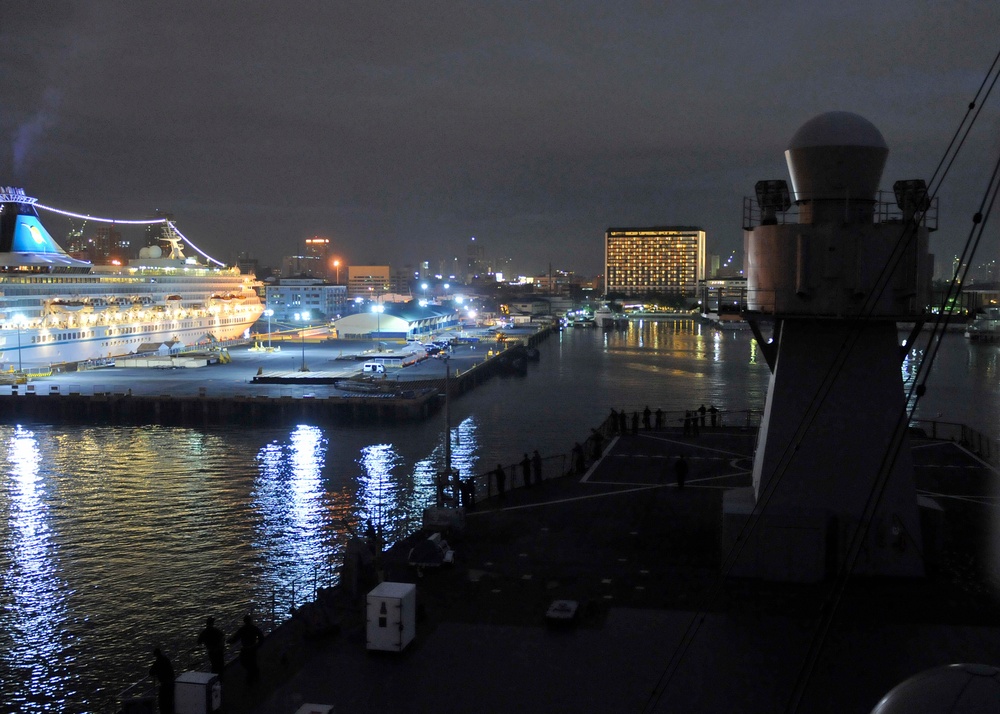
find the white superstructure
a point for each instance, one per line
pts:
(57, 309)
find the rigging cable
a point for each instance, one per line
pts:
(698, 618)
(145, 222)
(892, 452)
(854, 551)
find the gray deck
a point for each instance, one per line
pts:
(660, 629)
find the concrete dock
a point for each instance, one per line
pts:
(660, 627)
(297, 382)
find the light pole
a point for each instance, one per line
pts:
(336, 264)
(268, 312)
(378, 310)
(304, 317)
(18, 320)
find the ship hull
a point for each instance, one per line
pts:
(36, 350)
(133, 310)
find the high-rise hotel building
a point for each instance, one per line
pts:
(668, 259)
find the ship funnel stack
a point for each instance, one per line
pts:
(831, 268)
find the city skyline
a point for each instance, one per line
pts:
(405, 131)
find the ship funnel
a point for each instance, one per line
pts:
(835, 161)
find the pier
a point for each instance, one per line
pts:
(256, 388)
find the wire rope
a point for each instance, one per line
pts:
(944, 165)
(144, 222)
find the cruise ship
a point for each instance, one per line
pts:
(56, 309)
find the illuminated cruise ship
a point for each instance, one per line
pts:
(55, 309)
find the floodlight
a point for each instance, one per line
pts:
(911, 195)
(772, 196)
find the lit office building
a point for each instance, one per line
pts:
(368, 281)
(639, 261)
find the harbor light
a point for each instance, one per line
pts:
(268, 312)
(303, 317)
(378, 310)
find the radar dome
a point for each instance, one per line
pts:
(836, 156)
(954, 689)
(155, 251)
(144, 252)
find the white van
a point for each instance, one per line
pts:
(373, 368)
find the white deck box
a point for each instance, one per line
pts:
(197, 693)
(392, 616)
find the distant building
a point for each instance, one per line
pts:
(368, 281)
(295, 296)
(315, 261)
(668, 259)
(528, 307)
(104, 247)
(318, 258)
(558, 282)
(475, 260)
(247, 265)
(723, 295)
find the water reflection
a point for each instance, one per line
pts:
(465, 456)
(115, 539)
(30, 577)
(288, 500)
(379, 501)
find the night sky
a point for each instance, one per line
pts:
(399, 130)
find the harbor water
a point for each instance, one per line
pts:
(115, 540)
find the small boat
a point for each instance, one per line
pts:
(985, 327)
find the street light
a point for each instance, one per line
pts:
(18, 320)
(423, 286)
(304, 316)
(268, 312)
(336, 264)
(378, 310)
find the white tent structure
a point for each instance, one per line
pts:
(396, 321)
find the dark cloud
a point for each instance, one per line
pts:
(401, 129)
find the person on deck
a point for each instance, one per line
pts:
(250, 637)
(163, 672)
(501, 478)
(214, 641)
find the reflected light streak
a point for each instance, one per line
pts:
(378, 498)
(464, 448)
(288, 497)
(38, 593)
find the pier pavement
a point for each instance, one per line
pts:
(660, 629)
(336, 358)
